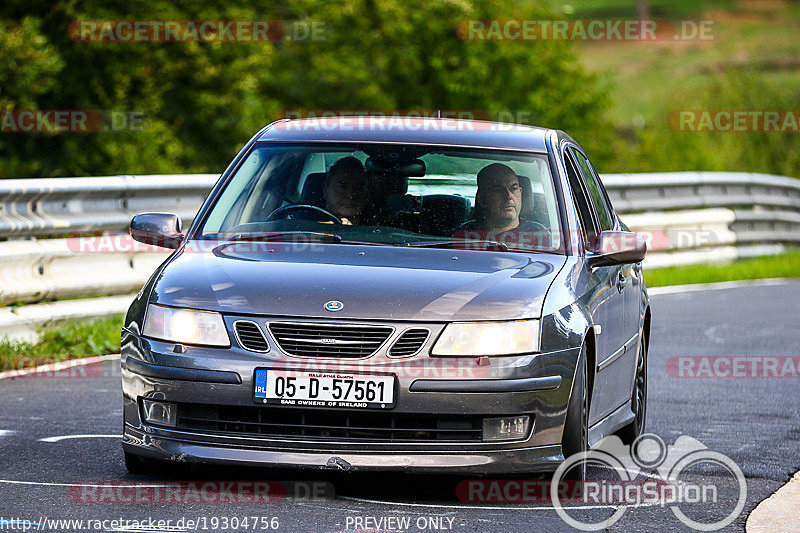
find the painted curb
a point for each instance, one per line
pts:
(56, 367)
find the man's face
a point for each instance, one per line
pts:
(346, 194)
(501, 200)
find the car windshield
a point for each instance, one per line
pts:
(399, 195)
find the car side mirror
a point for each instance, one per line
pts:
(617, 248)
(159, 229)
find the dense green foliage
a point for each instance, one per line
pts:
(204, 100)
(748, 65)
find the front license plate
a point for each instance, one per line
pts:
(323, 389)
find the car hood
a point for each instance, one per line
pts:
(372, 282)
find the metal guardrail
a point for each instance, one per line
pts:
(62, 206)
(687, 217)
(693, 190)
(697, 217)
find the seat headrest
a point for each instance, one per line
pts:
(526, 211)
(442, 212)
(313, 189)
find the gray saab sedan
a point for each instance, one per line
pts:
(428, 295)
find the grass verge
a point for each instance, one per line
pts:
(66, 340)
(785, 265)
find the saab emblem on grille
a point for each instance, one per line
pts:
(333, 305)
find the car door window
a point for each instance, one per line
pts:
(582, 203)
(604, 216)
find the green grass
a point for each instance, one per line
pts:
(67, 340)
(644, 74)
(785, 265)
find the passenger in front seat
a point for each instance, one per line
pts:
(498, 202)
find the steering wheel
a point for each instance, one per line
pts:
(305, 211)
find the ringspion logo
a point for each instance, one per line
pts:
(704, 489)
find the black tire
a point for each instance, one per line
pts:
(576, 427)
(629, 433)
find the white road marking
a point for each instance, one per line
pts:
(5, 432)
(711, 334)
(66, 437)
(673, 289)
(350, 498)
(494, 507)
(89, 485)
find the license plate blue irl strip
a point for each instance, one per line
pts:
(324, 389)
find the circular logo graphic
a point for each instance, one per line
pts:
(686, 476)
(333, 306)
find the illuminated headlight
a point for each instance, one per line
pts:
(185, 326)
(471, 339)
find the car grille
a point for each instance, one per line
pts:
(333, 425)
(319, 340)
(409, 342)
(250, 336)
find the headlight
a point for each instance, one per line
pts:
(185, 326)
(471, 339)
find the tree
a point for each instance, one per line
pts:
(204, 100)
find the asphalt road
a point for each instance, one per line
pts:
(752, 420)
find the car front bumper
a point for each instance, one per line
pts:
(534, 385)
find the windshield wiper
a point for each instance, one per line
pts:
(284, 236)
(453, 243)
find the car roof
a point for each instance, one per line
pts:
(408, 130)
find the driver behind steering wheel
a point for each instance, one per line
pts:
(345, 190)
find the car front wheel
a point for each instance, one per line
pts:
(576, 428)
(638, 398)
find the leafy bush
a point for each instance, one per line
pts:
(204, 100)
